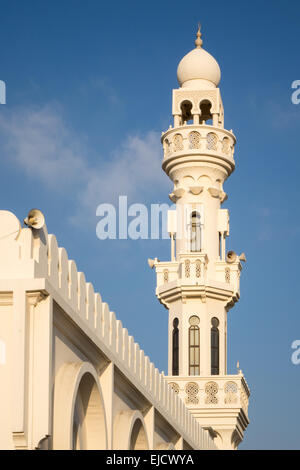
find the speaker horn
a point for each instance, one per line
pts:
(242, 257)
(231, 257)
(152, 262)
(35, 219)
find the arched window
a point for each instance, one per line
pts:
(194, 346)
(186, 111)
(194, 140)
(177, 143)
(214, 340)
(211, 141)
(175, 347)
(195, 232)
(205, 109)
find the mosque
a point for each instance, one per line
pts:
(72, 377)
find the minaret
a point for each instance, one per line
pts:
(201, 282)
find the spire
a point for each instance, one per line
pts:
(199, 42)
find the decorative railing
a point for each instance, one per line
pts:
(228, 391)
(229, 273)
(198, 139)
(190, 269)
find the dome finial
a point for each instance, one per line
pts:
(199, 42)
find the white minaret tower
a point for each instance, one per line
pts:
(201, 282)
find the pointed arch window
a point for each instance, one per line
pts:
(194, 346)
(195, 231)
(214, 341)
(175, 347)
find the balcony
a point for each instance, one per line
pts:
(213, 143)
(213, 392)
(218, 402)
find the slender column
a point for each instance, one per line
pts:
(215, 120)
(177, 120)
(196, 118)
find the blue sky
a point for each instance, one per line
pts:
(88, 95)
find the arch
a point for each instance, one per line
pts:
(130, 431)
(194, 140)
(215, 347)
(192, 390)
(79, 419)
(186, 107)
(175, 347)
(194, 345)
(138, 438)
(211, 141)
(177, 143)
(195, 231)
(205, 110)
(166, 146)
(226, 145)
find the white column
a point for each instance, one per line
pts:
(177, 120)
(196, 118)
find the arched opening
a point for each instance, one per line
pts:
(194, 345)
(214, 340)
(186, 111)
(175, 347)
(88, 419)
(138, 438)
(205, 112)
(195, 231)
(79, 420)
(130, 431)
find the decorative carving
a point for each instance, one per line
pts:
(230, 390)
(226, 145)
(177, 142)
(211, 390)
(194, 320)
(166, 275)
(174, 386)
(198, 268)
(192, 390)
(244, 401)
(187, 268)
(166, 146)
(194, 140)
(196, 190)
(212, 141)
(214, 192)
(227, 275)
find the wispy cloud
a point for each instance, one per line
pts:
(42, 145)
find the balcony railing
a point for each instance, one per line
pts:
(226, 391)
(198, 138)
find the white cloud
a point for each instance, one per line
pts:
(41, 144)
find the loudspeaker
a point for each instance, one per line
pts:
(231, 257)
(35, 219)
(152, 262)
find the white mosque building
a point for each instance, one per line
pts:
(71, 375)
